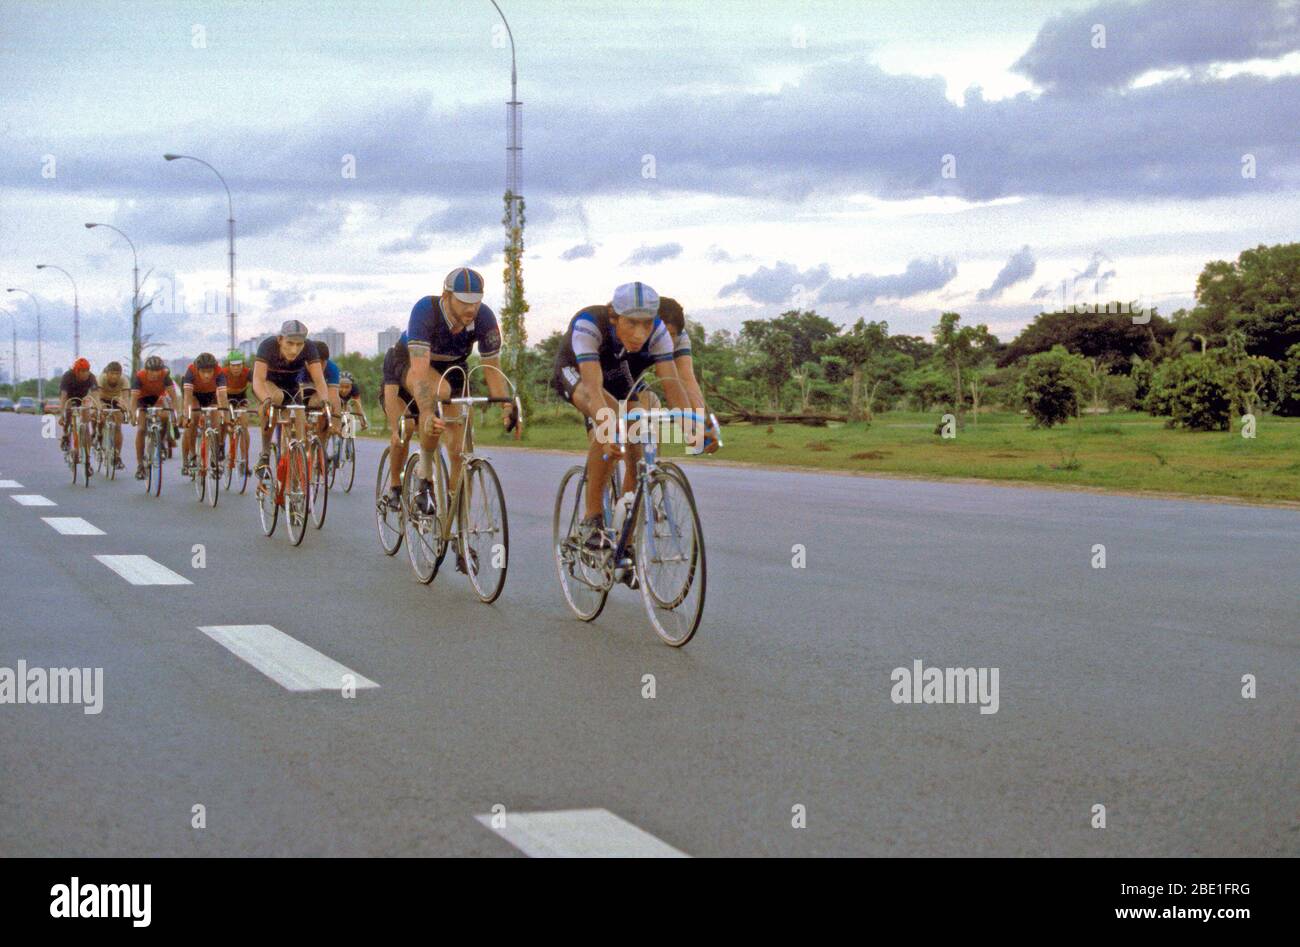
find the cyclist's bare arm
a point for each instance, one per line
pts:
(262, 387)
(422, 384)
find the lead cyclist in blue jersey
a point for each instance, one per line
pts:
(604, 352)
(439, 337)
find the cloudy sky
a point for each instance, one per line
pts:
(887, 160)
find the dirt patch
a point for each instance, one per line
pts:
(817, 446)
(869, 455)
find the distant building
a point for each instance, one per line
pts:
(336, 340)
(388, 338)
(249, 346)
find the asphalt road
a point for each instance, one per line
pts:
(1119, 686)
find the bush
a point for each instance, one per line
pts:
(1051, 384)
(1192, 392)
(1288, 402)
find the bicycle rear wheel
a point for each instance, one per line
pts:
(318, 480)
(484, 531)
(670, 559)
(388, 523)
(297, 502)
(585, 577)
(266, 491)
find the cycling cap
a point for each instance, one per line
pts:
(465, 284)
(636, 300)
(294, 329)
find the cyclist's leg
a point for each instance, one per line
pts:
(188, 424)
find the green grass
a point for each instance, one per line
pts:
(1129, 452)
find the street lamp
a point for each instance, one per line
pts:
(76, 310)
(230, 228)
(40, 364)
(135, 298)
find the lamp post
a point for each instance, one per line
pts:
(40, 363)
(135, 298)
(13, 372)
(230, 232)
(76, 309)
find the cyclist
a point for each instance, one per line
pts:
(397, 403)
(440, 335)
(280, 360)
(350, 397)
(314, 399)
(77, 382)
(604, 351)
(204, 385)
(114, 394)
(151, 383)
(239, 388)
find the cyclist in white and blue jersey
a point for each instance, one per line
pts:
(604, 352)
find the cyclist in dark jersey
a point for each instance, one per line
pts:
(315, 400)
(204, 386)
(79, 383)
(151, 384)
(440, 335)
(280, 362)
(605, 350)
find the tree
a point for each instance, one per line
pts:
(866, 352)
(1109, 336)
(1259, 294)
(1246, 377)
(1051, 385)
(1288, 402)
(958, 347)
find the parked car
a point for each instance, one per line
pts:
(6, 404)
(26, 406)
(51, 406)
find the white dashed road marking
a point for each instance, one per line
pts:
(141, 570)
(72, 526)
(10, 485)
(31, 499)
(285, 660)
(578, 833)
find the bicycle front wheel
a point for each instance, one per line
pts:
(484, 532)
(350, 461)
(212, 463)
(425, 547)
(585, 576)
(297, 497)
(670, 560)
(318, 479)
(267, 491)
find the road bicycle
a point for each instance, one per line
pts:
(154, 446)
(236, 463)
(318, 467)
(79, 439)
(107, 453)
(205, 459)
(343, 451)
(469, 517)
(284, 481)
(659, 542)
